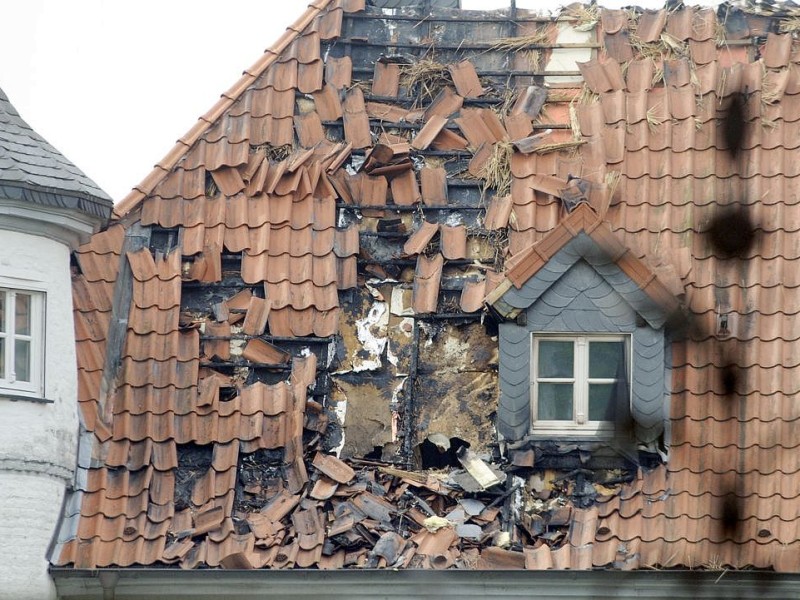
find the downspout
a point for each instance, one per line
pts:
(108, 581)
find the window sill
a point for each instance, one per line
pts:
(17, 396)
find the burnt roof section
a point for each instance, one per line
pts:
(250, 227)
(33, 171)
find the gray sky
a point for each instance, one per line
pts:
(113, 84)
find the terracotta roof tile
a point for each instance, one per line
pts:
(466, 79)
(651, 24)
(327, 103)
(428, 133)
(356, 121)
(338, 72)
(420, 239)
(613, 20)
(434, 186)
(454, 241)
(449, 140)
(498, 212)
(618, 46)
(405, 189)
(445, 104)
(386, 112)
(426, 283)
(480, 126)
(309, 129)
(386, 79)
(329, 24)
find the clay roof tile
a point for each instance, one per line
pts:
(386, 78)
(426, 283)
(466, 79)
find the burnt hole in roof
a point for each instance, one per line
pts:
(193, 462)
(163, 240)
(438, 451)
(260, 477)
(731, 232)
(226, 394)
(199, 297)
(212, 191)
(265, 375)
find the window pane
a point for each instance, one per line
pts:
(2, 311)
(555, 402)
(22, 360)
(556, 359)
(601, 401)
(605, 359)
(2, 358)
(23, 314)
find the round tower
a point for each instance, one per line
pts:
(47, 208)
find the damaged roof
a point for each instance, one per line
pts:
(404, 162)
(31, 170)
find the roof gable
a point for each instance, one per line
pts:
(583, 236)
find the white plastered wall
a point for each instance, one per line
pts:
(38, 440)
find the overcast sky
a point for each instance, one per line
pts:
(113, 84)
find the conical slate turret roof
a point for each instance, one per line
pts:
(34, 171)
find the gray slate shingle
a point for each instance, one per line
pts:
(34, 171)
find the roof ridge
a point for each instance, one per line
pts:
(226, 100)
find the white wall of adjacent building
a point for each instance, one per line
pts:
(38, 440)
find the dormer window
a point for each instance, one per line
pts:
(583, 347)
(578, 383)
(21, 341)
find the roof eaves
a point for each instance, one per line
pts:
(139, 192)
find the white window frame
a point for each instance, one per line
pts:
(8, 382)
(579, 425)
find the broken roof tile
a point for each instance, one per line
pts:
(386, 112)
(449, 140)
(333, 468)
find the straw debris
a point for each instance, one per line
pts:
(496, 174)
(586, 16)
(427, 77)
(790, 25)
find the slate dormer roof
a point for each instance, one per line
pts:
(323, 167)
(31, 170)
